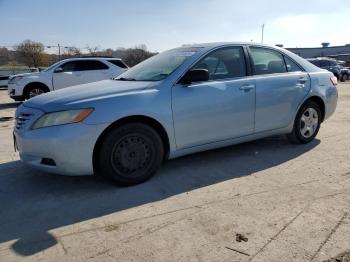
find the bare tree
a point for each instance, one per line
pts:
(93, 50)
(4, 56)
(31, 52)
(108, 52)
(136, 55)
(71, 51)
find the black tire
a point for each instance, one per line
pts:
(38, 89)
(343, 78)
(297, 136)
(130, 154)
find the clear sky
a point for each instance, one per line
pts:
(161, 25)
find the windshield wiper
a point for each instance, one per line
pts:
(125, 79)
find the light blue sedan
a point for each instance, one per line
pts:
(182, 101)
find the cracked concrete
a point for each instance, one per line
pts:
(290, 201)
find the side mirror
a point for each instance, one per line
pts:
(195, 75)
(58, 70)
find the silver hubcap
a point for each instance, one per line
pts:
(35, 92)
(308, 122)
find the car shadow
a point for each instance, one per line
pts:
(10, 105)
(33, 203)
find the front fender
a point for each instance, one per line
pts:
(151, 103)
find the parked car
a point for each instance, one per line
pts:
(5, 74)
(329, 64)
(345, 72)
(4, 81)
(65, 73)
(178, 102)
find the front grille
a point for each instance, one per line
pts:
(21, 120)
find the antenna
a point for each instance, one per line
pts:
(262, 33)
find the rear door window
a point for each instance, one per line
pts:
(315, 62)
(324, 63)
(267, 61)
(87, 65)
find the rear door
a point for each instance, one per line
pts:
(95, 70)
(281, 84)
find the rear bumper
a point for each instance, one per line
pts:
(69, 148)
(331, 101)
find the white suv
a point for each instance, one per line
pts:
(65, 73)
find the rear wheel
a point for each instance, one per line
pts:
(345, 77)
(307, 123)
(131, 154)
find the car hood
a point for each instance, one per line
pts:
(25, 74)
(86, 94)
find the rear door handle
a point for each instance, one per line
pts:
(247, 88)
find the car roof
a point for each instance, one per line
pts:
(321, 58)
(91, 58)
(219, 44)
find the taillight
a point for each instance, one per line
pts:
(334, 80)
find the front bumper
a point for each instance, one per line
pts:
(69, 148)
(11, 89)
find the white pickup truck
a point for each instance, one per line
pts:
(65, 73)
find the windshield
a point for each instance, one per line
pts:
(51, 66)
(158, 67)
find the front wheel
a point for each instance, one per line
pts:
(307, 123)
(34, 91)
(131, 154)
(345, 77)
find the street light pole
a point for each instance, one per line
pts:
(262, 33)
(59, 49)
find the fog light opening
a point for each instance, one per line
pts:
(48, 162)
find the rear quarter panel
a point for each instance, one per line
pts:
(321, 86)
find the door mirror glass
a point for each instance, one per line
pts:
(58, 70)
(195, 75)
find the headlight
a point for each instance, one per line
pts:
(15, 79)
(62, 117)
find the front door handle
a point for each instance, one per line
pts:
(247, 88)
(302, 80)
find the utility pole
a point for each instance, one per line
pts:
(262, 33)
(59, 49)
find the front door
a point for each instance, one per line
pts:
(219, 109)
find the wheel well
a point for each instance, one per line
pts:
(35, 84)
(320, 103)
(132, 119)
